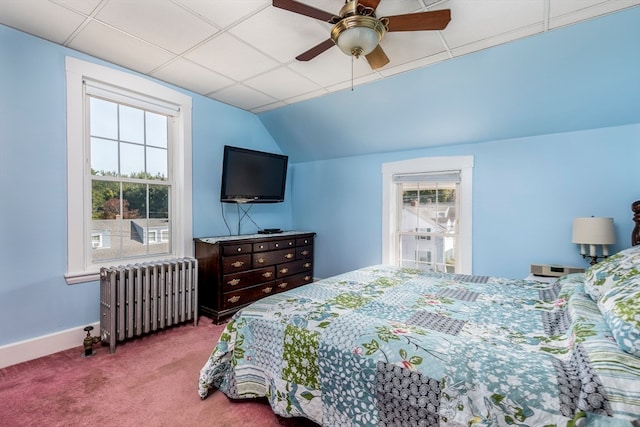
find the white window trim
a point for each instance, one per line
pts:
(79, 266)
(421, 165)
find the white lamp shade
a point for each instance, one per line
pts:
(359, 39)
(594, 231)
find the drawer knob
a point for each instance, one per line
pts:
(260, 260)
(288, 256)
(238, 264)
(283, 285)
(267, 290)
(234, 298)
(307, 265)
(233, 282)
(305, 253)
(307, 278)
(267, 274)
(239, 249)
(284, 270)
(277, 245)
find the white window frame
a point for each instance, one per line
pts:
(80, 267)
(464, 164)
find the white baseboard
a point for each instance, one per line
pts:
(33, 348)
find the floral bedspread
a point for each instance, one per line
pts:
(387, 346)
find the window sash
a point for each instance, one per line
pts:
(78, 72)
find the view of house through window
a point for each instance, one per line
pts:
(427, 222)
(130, 186)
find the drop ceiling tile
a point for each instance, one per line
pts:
(419, 63)
(268, 107)
(281, 34)
(86, 7)
(282, 83)
(391, 8)
(331, 67)
(495, 40)
(160, 22)
(111, 45)
(229, 56)
(473, 21)
(402, 47)
(306, 96)
(224, 13)
(243, 97)
(188, 75)
(569, 12)
(40, 18)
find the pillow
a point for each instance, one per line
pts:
(605, 275)
(620, 307)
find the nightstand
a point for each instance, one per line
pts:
(544, 279)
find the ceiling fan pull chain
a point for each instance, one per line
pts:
(352, 61)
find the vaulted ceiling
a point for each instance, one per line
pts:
(242, 52)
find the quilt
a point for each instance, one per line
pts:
(391, 346)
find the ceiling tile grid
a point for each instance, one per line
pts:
(242, 52)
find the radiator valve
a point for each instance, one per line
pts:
(88, 342)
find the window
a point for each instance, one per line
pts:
(128, 169)
(427, 213)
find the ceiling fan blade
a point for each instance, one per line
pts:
(377, 58)
(421, 21)
(316, 50)
(303, 9)
(373, 4)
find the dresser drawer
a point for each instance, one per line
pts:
(273, 257)
(304, 241)
(244, 248)
(247, 295)
(304, 252)
(232, 264)
(247, 278)
(261, 247)
(295, 267)
(282, 244)
(294, 281)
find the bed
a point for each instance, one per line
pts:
(387, 346)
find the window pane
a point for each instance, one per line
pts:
(104, 118)
(104, 157)
(131, 160)
(134, 201)
(157, 163)
(158, 201)
(131, 124)
(427, 223)
(156, 125)
(106, 212)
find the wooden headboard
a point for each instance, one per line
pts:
(635, 234)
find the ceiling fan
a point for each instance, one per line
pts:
(357, 31)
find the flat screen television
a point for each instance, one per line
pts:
(250, 176)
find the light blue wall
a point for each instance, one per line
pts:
(34, 297)
(526, 193)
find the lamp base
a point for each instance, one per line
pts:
(594, 258)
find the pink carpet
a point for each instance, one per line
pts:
(149, 381)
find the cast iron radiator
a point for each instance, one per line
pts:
(140, 298)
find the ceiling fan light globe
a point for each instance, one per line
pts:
(358, 39)
(357, 35)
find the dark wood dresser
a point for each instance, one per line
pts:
(234, 271)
